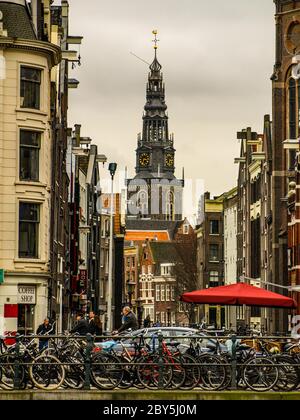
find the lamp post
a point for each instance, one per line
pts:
(130, 292)
(112, 169)
(139, 312)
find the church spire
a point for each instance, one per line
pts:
(155, 67)
(155, 188)
(155, 120)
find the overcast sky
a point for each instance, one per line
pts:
(217, 59)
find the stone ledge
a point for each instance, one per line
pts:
(133, 395)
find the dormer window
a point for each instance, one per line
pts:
(166, 269)
(186, 229)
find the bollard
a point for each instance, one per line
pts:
(160, 361)
(87, 362)
(17, 379)
(233, 363)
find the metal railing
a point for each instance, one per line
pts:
(158, 365)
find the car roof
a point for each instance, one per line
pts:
(183, 329)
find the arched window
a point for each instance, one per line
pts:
(292, 109)
(143, 202)
(170, 206)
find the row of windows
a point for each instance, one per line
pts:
(164, 293)
(166, 318)
(165, 270)
(130, 262)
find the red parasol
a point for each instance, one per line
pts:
(239, 294)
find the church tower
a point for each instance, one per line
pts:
(155, 193)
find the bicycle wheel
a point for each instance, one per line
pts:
(47, 372)
(212, 372)
(106, 372)
(151, 376)
(288, 375)
(127, 381)
(8, 372)
(74, 373)
(179, 373)
(260, 374)
(192, 370)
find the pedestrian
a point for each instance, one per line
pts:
(44, 329)
(81, 326)
(157, 324)
(95, 324)
(147, 321)
(92, 322)
(130, 320)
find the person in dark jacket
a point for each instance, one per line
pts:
(44, 329)
(147, 321)
(81, 326)
(95, 325)
(130, 320)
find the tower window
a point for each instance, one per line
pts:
(292, 109)
(170, 208)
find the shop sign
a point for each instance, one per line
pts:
(26, 295)
(83, 278)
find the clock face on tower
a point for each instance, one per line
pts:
(169, 160)
(144, 159)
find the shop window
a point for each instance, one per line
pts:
(26, 319)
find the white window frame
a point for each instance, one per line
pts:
(157, 293)
(168, 292)
(173, 293)
(162, 293)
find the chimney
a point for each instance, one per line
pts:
(36, 9)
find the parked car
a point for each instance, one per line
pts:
(175, 334)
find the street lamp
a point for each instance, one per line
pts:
(130, 287)
(112, 169)
(139, 311)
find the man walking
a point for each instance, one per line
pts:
(81, 326)
(44, 329)
(130, 320)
